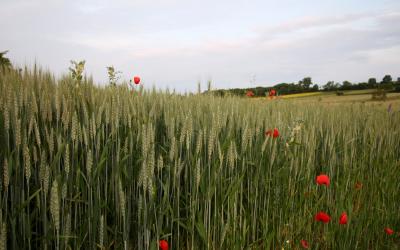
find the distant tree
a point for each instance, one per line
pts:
(397, 86)
(372, 82)
(306, 82)
(315, 87)
(329, 86)
(5, 63)
(387, 79)
(361, 85)
(346, 85)
(259, 91)
(287, 88)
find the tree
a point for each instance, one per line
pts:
(387, 79)
(329, 86)
(5, 63)
(306, 82)
(315, 87)
(397, 86)
(372, 82)
(346, 85)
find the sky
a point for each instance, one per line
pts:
(236, 44)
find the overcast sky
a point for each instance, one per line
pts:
(177, 43)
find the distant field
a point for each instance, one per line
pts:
(351, 96)
(302, 95)
(357, 92)
(364, 92)
(347, 92)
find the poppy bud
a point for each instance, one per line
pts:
(343, 218)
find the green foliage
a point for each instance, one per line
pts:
(372, 82)
(346, 85)
(397, 85)
(329, 86)
(306, 82)
(387, 79)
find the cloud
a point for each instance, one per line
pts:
(331, 52)
(174, 43)
(310, 22)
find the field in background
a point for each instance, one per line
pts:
(114, 168)
(350, 96)
(301, 95)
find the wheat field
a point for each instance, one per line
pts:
(87, 167)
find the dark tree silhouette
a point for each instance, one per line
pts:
(372, 82)
(387, 79)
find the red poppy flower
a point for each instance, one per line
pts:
(136, 80)
(163, 245)
(274, 133)
(249, 93)
(304, 244)
(323, 217)
(272, 92)
(389, 231)
(323, 179)
(343, 219)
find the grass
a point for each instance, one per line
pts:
(111, 168)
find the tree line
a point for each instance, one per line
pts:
(307, 85)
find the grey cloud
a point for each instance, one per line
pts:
(310, 22)
(326, 48)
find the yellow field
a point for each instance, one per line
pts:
(354, 96)
(301, 95)
(330, 98)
